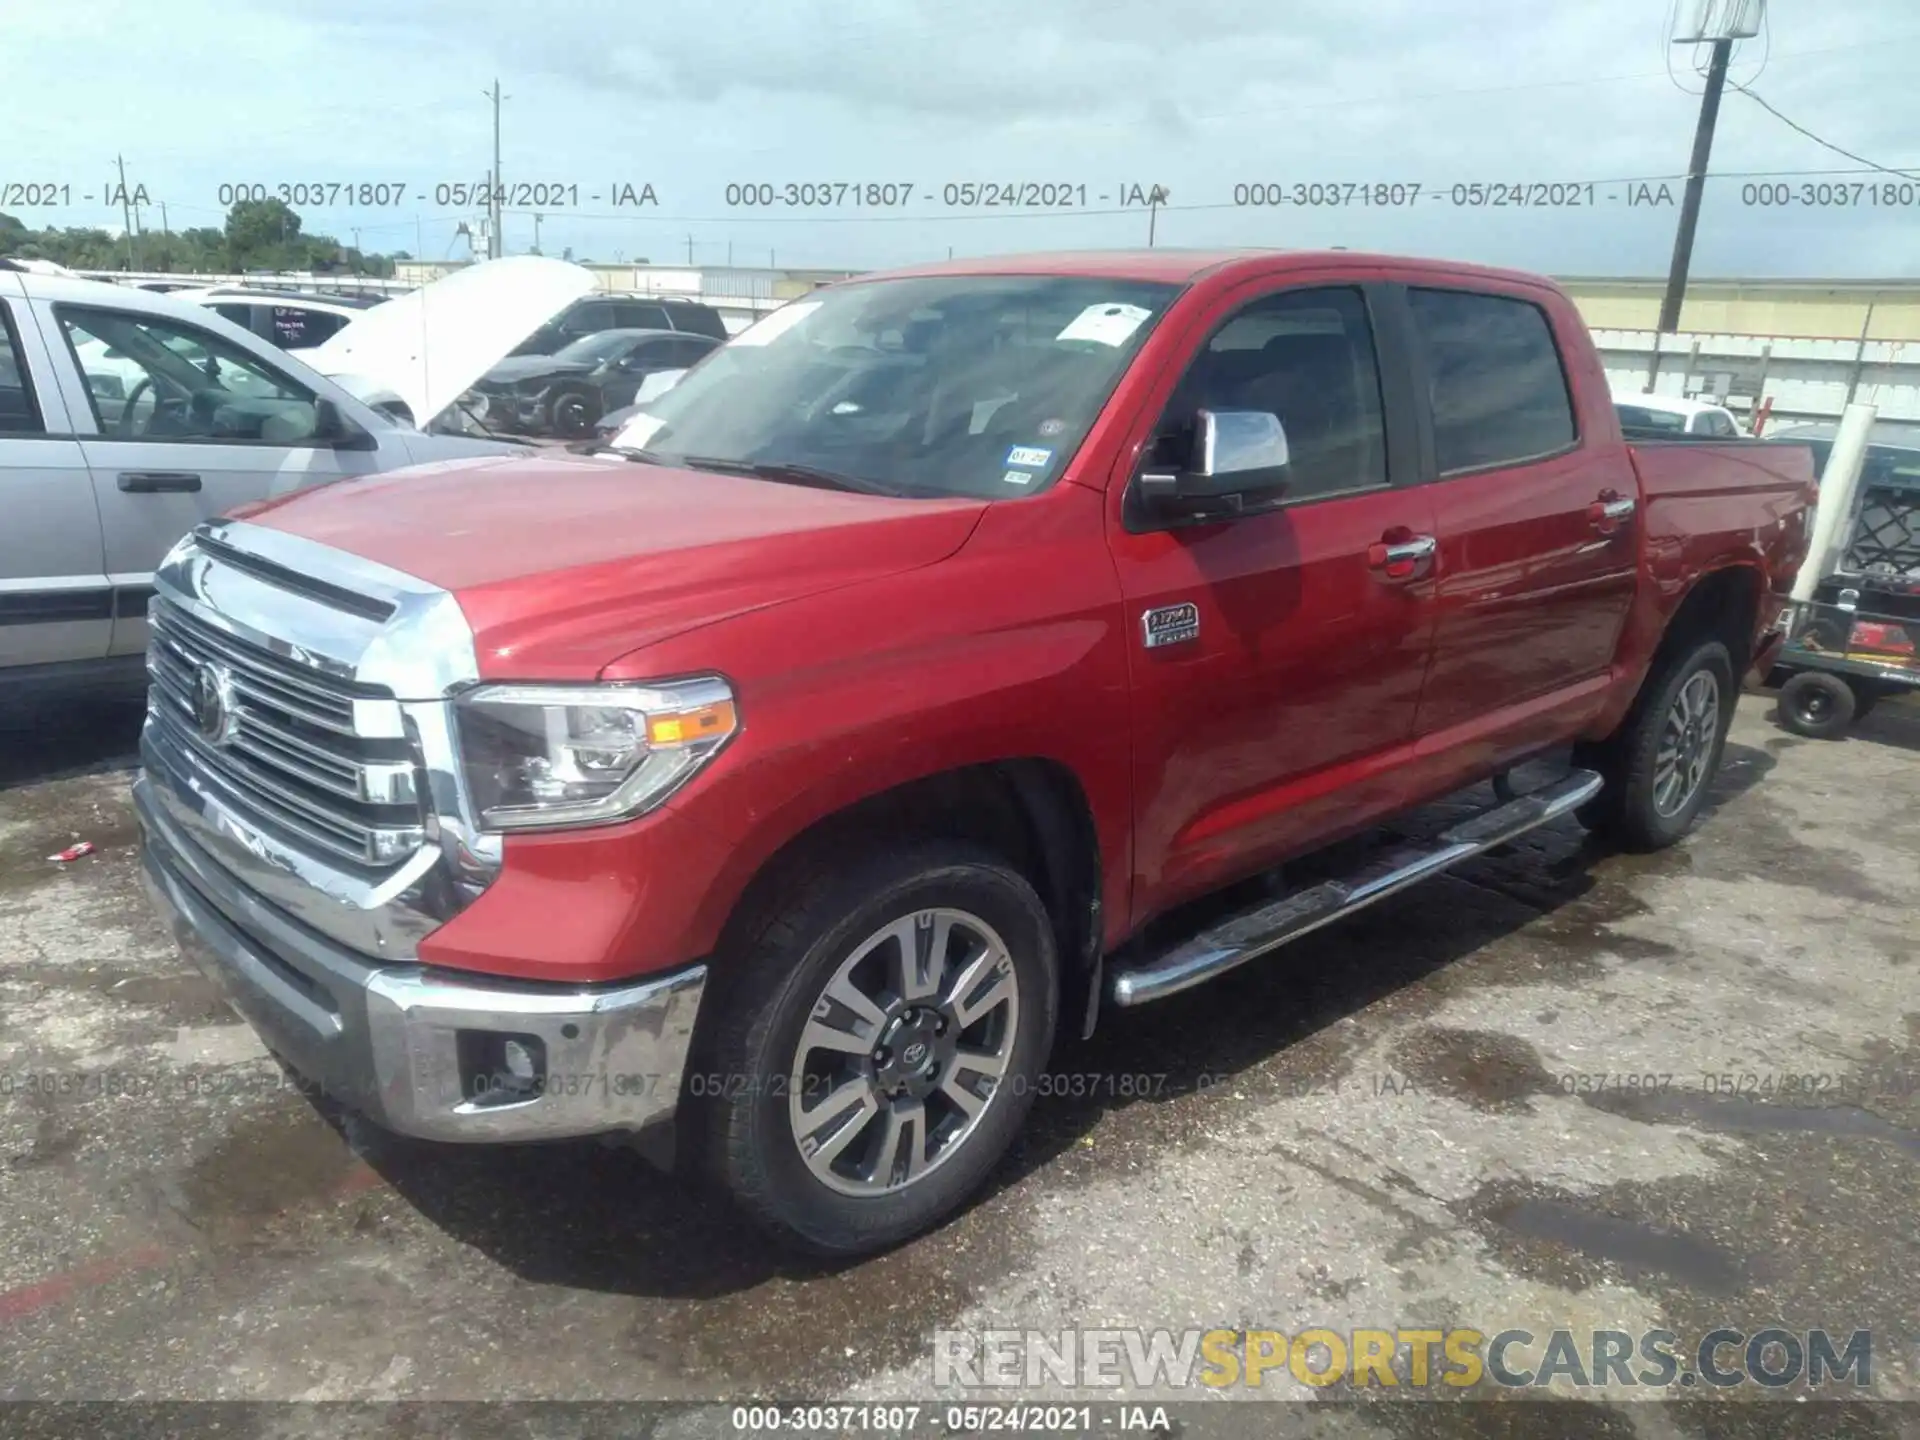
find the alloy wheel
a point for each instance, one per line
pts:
(1687, 741)
(904, 1051)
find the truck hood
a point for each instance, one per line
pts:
(565, 563)
(429, 345)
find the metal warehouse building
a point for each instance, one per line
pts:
(1808, 346)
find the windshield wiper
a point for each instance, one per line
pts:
(785, 472)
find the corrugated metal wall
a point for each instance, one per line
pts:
(1808, 346)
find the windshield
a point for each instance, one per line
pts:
(949, 385)
(604, 345)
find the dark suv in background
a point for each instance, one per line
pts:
(593, 313)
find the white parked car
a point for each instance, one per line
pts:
(293, 320)
(1675, 416)
(127, 417)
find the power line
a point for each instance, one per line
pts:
(1818, 140)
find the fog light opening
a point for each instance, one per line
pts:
(501, 1069)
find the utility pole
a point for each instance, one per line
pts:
(494, 247)
(1721, 24)
(126, 209)
(536, 232)
(1696, 183)
(689, 252)
(166, 238)
(1156, 197)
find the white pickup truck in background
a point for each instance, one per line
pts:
(127, 417)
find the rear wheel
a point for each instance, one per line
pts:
(1660, 764)
(879, 1045)
(1817, 705)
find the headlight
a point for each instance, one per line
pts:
(553, 755)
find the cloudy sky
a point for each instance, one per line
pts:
(1203, 97)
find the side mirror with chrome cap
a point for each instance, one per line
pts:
(1237, 465)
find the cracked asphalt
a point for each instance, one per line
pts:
(1420, 1117)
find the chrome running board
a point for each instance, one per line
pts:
(1254, 932)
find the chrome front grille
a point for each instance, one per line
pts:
(320, 761)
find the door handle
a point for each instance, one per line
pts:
(1403, 557)
(1610, 511)
(155, 482)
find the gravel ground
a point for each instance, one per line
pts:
(1399, 1121)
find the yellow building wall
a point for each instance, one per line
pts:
(1804, 312)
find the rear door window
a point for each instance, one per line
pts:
(697, 320)
(1498, 393)
(295, 327)
(633, 315)
(589, 319)
(687, 351)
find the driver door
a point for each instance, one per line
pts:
(184, 425)
(1277, 657)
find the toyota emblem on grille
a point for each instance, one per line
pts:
(214, 710)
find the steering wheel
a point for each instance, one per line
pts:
(123, 426)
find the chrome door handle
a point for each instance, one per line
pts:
(1401, 559)
(1610, 510)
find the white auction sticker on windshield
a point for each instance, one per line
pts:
(1016, 477)
(637, 431)
(765, 332)
(1109, 324)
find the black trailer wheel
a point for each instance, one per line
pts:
(878, 1045)
(1866, 695)
(1817, 705)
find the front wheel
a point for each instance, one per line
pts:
(571, 412)
(878, 1046)
(1660, 765)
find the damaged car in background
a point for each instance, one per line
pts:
(567, 393)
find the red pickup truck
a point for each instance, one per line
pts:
(799, 771)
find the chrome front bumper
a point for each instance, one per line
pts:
(402, 1043)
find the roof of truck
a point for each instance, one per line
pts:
(1178, 266)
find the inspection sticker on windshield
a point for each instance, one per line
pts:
(1109, 324)
(765, 332)
(1016, 477)
(637, 431)
(1032, 456)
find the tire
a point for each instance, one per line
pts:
(1641, 808)
(1817, 705)
(571, 412)
(755, 1083)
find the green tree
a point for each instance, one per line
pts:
(256, 228)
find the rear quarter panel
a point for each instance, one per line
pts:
(1707, 506)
